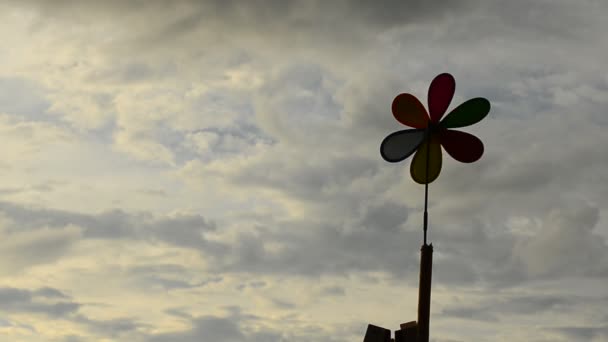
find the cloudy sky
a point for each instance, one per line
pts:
(210, 170)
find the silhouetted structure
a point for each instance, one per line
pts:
(427, 135)
(408, 332)
(412, 331)
(424, 292)
(377, 334)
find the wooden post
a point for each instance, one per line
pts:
(424, 292)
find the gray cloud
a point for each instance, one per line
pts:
(566, 245)
(584, 333)
(114, 328)
(219, 329)
(49, 292)
(42, 301)
(22, 98)
(236, 327)
(256, 284)
(329, 250)
(361, 244)
(262, 15)
(492, 309)
(20, 250)
(181, 230)
(167, 277)
(5, 323)
(54, 304)
(472, 313)
(333, 291)
(230, 328)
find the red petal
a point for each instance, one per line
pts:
(441, 92)
(464, 147)
(408, 110)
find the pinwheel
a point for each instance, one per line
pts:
(429, 132)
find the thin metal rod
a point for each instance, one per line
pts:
(426, 214)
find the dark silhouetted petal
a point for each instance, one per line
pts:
(468, 113)
(441, 92)
(464, 147)
(431, 148)
(408, 110)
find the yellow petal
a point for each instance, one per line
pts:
(431, 148)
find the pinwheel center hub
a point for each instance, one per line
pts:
(433, 128)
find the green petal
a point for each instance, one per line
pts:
(432, 148)
(468, 113)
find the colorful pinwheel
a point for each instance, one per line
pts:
(429, 133)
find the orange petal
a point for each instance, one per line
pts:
(408, 110)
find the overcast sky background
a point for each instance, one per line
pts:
(210, 170)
